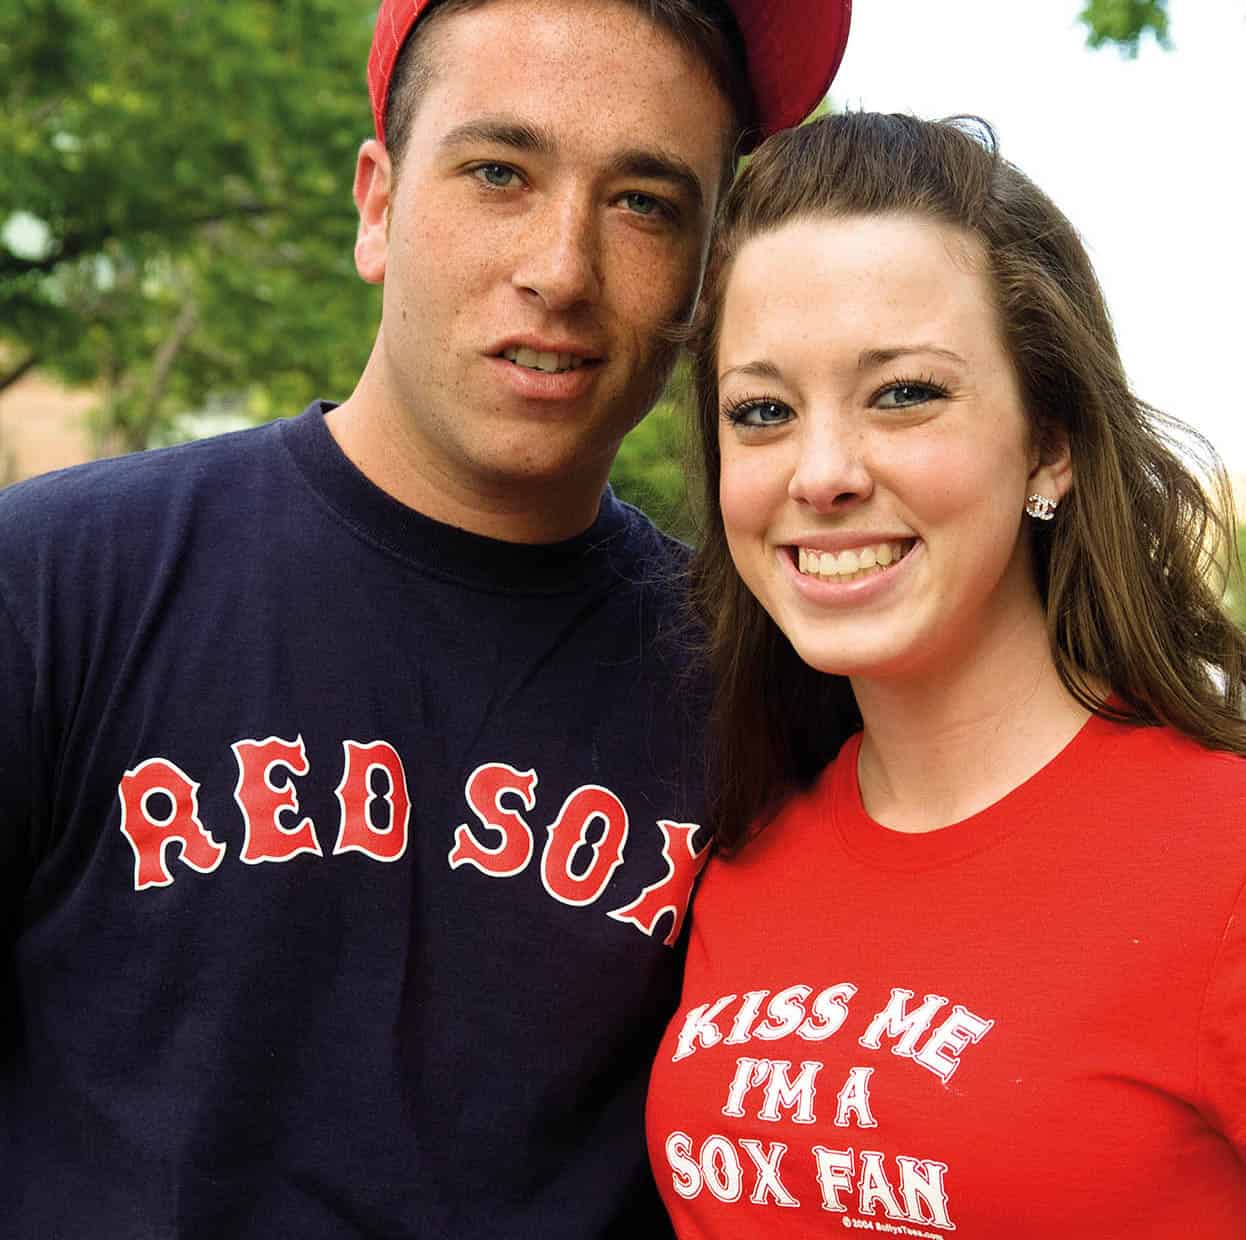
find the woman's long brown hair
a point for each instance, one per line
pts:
(1132, 570)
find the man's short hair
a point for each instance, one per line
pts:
(707, 27)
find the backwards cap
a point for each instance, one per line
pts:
(793, 49)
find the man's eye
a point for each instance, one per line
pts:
(902, 395)
(497, 175)
(642, 204)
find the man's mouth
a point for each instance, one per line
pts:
(548, 363)
(851, 564)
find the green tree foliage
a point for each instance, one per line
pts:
(1124, 23)
(650, 468)
(1235, 582)
(175, 212)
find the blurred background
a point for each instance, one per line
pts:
(176, 224)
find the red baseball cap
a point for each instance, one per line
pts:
(793, 47)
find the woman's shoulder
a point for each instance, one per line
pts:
(1163, 798)
(1161, 758)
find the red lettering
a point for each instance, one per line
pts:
(357, 832)
(486, 786)
(570, 831)
(583, 848)
(672, 893)
(149, 835)
(263, 801)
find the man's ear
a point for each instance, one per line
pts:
(1052, 474)
(372, 190)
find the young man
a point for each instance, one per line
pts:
(349, 767)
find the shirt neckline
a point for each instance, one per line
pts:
(1024, 807)
(446, 550)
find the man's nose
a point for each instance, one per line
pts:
(561, 263)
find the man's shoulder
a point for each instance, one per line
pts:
(132, 484)
(651, 585)
(646, 552)
(92, 526)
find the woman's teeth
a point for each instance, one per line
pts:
(551, 363)
(847, 565)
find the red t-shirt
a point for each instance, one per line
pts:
(1031, 1023)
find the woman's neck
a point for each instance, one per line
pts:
(941, 747)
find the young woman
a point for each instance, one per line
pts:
(972, 957)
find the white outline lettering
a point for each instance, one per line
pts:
(285, 800)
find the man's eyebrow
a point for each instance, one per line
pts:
(659, 166)
(753, 370)
(500, 131)
(869, 358)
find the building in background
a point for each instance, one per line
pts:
(43, 425)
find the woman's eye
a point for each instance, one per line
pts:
(758, 413)
(497, 175)
(902, 395)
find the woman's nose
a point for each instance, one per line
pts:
(832, 470)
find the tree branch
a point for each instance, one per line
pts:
(77, 244)
(28, 363)
(162, 366)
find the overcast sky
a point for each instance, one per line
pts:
(1145, 157)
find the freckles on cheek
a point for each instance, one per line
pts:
(652, 282)
(744, 525)
(941, 479)
(742, 497)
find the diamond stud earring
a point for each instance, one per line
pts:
(1040, 507)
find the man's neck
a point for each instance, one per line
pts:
(382, 447)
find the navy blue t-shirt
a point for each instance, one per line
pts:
(344, 855)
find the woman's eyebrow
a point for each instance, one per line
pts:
(869, 358)
(753, 370)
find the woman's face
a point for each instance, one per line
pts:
(876, 457)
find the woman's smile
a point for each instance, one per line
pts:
(875, 451)
(852, 563)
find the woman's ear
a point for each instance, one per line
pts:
(1052, 474)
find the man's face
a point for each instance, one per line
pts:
(550, 217)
